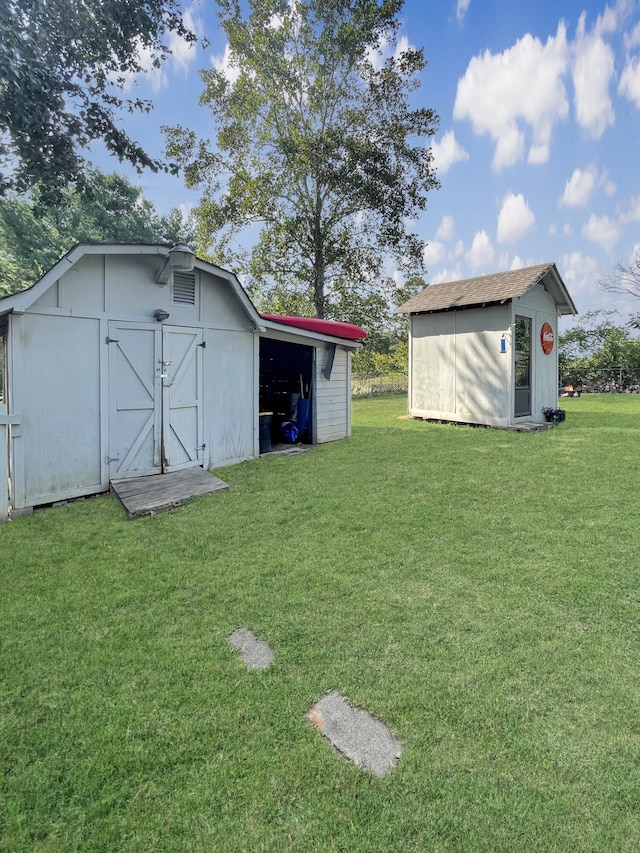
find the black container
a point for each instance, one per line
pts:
(265, 432)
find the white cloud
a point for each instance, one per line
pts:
(593, 69)
(402, 46)
(633, 213)
(629, 85)
(552, 229)
(433, 252)
(445, 229)
(601, 230)
(567, 229)
(523, 85)
(447, 152)
(182, 52)
(226, 64)
(457, 250)
(579, 272)
(538, 154)
(579, 187)
(378, 55)
(461, 10)
(481, 252)
(155, 77)
(515, 219)
(182, 55)
(632, 39)
(447, 275)
(517, 263)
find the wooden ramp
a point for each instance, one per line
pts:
(142, 496)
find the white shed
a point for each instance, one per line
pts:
(127, 360)
(484, 350)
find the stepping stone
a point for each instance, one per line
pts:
(363, 739)
(255, 653)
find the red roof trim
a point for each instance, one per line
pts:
(336, 329)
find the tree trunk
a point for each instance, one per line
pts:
(318, 260)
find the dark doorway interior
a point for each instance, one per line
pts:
(286, 378)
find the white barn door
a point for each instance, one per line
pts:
(182, 393)
(155, 399)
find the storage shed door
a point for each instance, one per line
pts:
(155, 399)
(182, 392)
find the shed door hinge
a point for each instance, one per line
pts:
(203, 345)
(109, 459)
(109, 340)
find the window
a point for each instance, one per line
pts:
(522, 367)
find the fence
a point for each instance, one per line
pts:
(368, 384)
(602, 379)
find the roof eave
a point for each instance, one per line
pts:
(487, 303)
(562, 297)
(269, 326)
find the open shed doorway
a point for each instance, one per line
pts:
(286, 392)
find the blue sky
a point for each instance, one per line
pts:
(539, 140)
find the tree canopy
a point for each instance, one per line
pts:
(598, 348)
(102, 208)
(318, 149)
(63, 68)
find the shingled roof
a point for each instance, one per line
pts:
(490, 290)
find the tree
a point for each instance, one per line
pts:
(597, 350)
(625, 279)
(386, 349)
(63, 69)
(318, 149)
(98, 208)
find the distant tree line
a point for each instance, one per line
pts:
(599, 351)
(96, 208)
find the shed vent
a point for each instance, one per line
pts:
(184, 288)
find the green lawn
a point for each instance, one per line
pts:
(478, 590)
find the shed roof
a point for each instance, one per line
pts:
(490, 290)
(22, 300)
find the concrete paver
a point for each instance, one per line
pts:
(356, 733)
(255, 653)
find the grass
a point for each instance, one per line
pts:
(478, 590)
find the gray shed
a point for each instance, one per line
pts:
(484, 350)
(128, 360)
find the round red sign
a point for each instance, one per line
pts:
(546, 338)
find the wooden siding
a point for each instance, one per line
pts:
(457, 370)
(60, 430)
(333, 397)
(539, 305)
(230, 397)
(4, 470)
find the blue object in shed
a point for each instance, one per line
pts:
(304, 419)
(289, 432)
